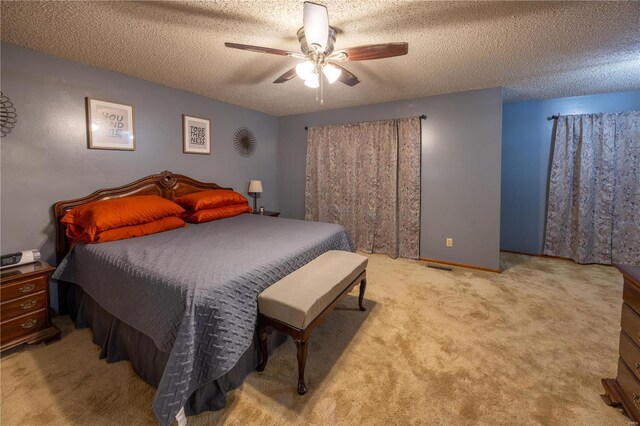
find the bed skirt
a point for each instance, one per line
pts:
(119, 341)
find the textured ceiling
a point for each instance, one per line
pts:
(534, 49)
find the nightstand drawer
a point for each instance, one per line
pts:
(630, 323)
(24, 305)
(26, 324)
(630, 354)
(631, 295)
(630, 385)
(23, 288)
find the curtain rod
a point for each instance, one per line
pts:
(422, 117)
(553, 117)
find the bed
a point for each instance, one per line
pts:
(181, 305)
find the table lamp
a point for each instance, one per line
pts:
(255, 187)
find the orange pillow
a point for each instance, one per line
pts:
(218, 213)
(211, 199)
(99, 216)
(160, 225)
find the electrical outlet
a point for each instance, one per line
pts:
(449, 242)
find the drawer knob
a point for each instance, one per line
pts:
(29, 287)
(30, 323)
(31, 303)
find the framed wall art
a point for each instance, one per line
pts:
(196, 135)
(110, 125)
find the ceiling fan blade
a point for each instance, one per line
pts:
(371, 51)
(286, 76)
(316, 25)
(260, 49)
(346, 76)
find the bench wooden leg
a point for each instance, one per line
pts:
(363, 287)
(302, 346)
(262, 333)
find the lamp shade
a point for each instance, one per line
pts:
(305, 69)
(312, 81)
(255, 186)
(331, 72)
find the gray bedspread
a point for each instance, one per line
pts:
(194, 290)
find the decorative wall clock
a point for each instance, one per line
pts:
(8, 115)
(244, 142)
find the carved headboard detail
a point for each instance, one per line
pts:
(166, 184)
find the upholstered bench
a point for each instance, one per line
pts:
(299, 302)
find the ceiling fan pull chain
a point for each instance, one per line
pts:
(320, 76)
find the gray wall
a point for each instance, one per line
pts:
(461, 149)
(526, 152)
(45, 158)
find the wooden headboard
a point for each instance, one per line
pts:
(166, 184)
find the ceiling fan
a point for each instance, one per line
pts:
(317, 40)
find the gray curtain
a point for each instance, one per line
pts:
(593, 213)
(366, 177)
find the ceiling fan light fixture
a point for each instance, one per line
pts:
(317, 40)
(312, 81)
(316, 25)
(331, 72)
(305, 69)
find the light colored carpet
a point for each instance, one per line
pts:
(528, 346)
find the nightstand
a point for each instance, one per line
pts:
(24, 305)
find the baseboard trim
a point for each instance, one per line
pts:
(525, 253)
(547, 256)
(461, 265)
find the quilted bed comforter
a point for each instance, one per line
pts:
(194, 290)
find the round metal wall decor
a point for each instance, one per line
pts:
(244, 141)
(8, 115)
